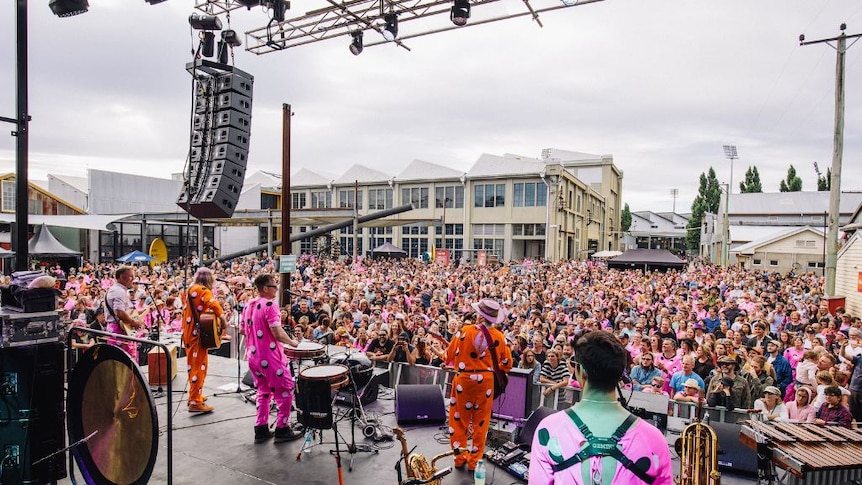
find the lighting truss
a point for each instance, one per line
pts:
(341, 18)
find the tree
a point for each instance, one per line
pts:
(751, 184)
(625, 218)
(824, 183)
(793, 183)
(708, 199)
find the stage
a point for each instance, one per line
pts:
(218, 448)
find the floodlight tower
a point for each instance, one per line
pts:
(730, 153)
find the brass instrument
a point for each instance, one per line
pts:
(698, 450)
(417, 466)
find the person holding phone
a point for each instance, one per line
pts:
(402, 351)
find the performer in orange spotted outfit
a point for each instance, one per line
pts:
(473, 385)
(201, 297)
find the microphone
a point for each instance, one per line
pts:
(143, 283)
(223, 280)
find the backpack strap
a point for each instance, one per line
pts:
(597, 446)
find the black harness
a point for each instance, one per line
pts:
(597, 446)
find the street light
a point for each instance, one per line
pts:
(725, 249)
(730, 152)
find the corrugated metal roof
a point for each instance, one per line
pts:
(568, 156)
(790, 203)
(422, 170)
(496, 166)
(362, 174)
(79, 183)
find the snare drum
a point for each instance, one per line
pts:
(306, 350)
(335, 374)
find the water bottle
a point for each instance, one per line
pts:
(479, 474)
(308, 437)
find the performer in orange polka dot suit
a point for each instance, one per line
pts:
(201, 296)
(473, 385)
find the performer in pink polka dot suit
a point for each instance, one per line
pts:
(265, 339)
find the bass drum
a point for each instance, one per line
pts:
(110, 404)
(359, 364)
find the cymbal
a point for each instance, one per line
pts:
(107, 394)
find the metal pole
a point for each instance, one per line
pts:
(837, 154)
(355, 221)
(22, 143)
(284, 278)
(725, 247)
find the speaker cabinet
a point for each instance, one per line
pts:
(515, 402)
(419, 403)
(525, 435)
(733, 455)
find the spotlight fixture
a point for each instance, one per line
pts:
(460, 12)
(68, 8)
(356, 43)
(278, 8)
(204, 22)
(231, 38)
(390, 30)
(153, 2)
(570, 3)
(207, 43)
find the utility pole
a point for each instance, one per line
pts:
(837, 152)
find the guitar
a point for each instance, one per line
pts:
(209, 330)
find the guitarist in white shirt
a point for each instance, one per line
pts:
(119, 317)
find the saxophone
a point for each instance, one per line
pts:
(416, 465)
(698, 450)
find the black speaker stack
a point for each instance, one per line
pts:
(221, 129)
(32, 416)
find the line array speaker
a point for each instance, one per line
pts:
(221, 127)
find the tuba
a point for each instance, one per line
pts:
(697, 448)
(417, 465)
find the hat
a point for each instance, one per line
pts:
(159, 302)
(772, 390)
(698, 326)
(726, 359)
(403, 336)
(489, 310)
(399, 316)
(624, 336)
(691, 383)
(726, 381)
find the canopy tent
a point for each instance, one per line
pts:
(606, 254)
(647, 259)
(135, 257)
(44, 245)
(388, 250)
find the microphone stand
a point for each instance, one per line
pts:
(236, 344)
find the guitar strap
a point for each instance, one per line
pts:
(194, 311)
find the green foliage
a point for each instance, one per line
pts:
(792, 183)
(824, 183)
(625, 218)
(751, 184)
(708, 199)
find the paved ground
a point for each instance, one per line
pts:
(218, 448)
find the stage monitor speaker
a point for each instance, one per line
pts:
(248, 379)
(733, 456)
(419, 403)
(515, 402)
(367, 394)
(524, 438)
(32, 419)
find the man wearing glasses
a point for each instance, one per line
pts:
(261, 323)
(739, 389)
(379, 349)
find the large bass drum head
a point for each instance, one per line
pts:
(109, 396)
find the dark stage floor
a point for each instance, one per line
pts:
(218, 448)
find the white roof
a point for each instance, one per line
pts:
(496, 166)
(362, 174)
(80, 183)
(97, 222)
(422, 170)
(307, 178)
(794, 203)
(568, 156)
(751, 247)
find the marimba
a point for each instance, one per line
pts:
(809, 453)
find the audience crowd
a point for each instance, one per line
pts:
(721, 336)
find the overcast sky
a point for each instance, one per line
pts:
(659, 84)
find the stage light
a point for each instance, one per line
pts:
(204, 22)
(390, 30)
(460, 12)
(207, 44)
(231, 38)
(68, 8)
(356, 44)
(278, 8)
(153, 2)
(570, 3)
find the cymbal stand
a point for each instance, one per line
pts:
(236, 343)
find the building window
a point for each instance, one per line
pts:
(489, 195)
(380, 235)
(756, 262)
(346, 241)
(297, 200)
(773, 262)
(451, 195)
(528, 229)
(414, 240)
(8, 195)
(379, 199)
(494, 246)
(416, 196)
(306, 246)
(489, 230)
(530, 195)
(346, 199)
(450, 230)
(321, 200)
(805, 243)
(816, 264)
(454, 245)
